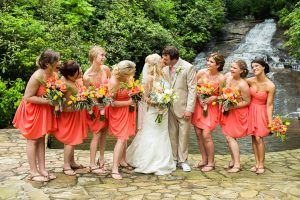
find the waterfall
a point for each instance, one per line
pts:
(257, 43)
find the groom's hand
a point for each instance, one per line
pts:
(187, 115)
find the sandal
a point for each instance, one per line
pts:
(99, 172)
(260, 171)
(101, 164)
(253, 169)
(234, 169)
(50, 176)
(116, 175)
(77, 166)
(69, 172)
(199, 165)
(207, 168)
(228, 166)
(38, 178)
(127, 167)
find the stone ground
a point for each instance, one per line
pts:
(280, 181)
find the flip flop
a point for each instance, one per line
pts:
(38, 178)
(198, 165)
(208, 168)
(93, 170)
(234, 169)
(116, 175)
(65, 171)
(77, 166)
(127, 167)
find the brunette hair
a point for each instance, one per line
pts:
(243, 66)
(172, 52)
(94, 52)
(69, 68)
(262, 62)
(47, 57)
(219, 58)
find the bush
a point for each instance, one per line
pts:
(11, 93)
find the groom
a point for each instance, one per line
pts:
(183, 80)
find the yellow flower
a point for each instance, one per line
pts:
(102, 91)
(284, 129)
(142, 88)
(85, 94)
(72, 98)
(60, 94)
(92, 95)
(213, 103)
(70, 102)
(287, 123)
(55, 97)
(48, 90)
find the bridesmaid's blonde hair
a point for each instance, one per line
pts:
(94, 52)
(125, 68)
(155, 70)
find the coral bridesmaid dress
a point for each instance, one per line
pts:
(72, 126)
(121, 121)
(210, 121)
(35, 120)
(258, 117)
(235, 124)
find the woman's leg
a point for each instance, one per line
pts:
(200, 139)
(102, 147)
(118, 152)
(235, 152)
(255, 151)
(210, 150)
(93, 148)
(68, 157)
(261, 154)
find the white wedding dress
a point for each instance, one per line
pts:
(150, 150)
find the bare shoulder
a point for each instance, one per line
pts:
(250, 80)
(271, 85)
(202, 72)
(244, 83)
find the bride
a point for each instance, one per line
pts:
(150, 151)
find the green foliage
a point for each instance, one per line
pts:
(292, 21)
(11, 93)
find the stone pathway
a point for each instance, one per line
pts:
(281, 180)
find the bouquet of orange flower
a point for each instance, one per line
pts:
(55, 90)
(279, 127)
(204, 91)
(103, 97)
(229, 98)
(83, 100)
(161, 98)
(136, 91)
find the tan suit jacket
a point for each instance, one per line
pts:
(184, 84)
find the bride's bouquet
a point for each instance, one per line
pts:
(279, 127)
(161, 98)
(229, 98)
(83, 100)
(55, 91)
(205, 91)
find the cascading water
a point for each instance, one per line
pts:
(257, 43)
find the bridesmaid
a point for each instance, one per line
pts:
(97, 74)
(235, 124)
(121, 121)
(34, 116)
(262, 92)
(72, 125)
(204, 125)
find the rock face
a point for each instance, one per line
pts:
(231, 35)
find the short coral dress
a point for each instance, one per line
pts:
(210, 121)
(121, 122)
(235, 124)
(35, 120)
(258, 117)
(72, 127)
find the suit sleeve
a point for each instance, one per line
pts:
(191, 84)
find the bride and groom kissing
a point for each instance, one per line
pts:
(159, 147)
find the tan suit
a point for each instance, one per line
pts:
(184, 83)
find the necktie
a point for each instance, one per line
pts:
(172, 73)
